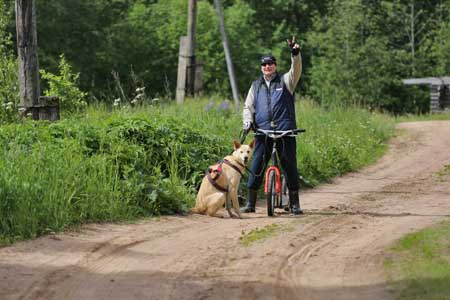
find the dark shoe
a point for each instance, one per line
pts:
(251, 202)
(296, 210)
(295, 203)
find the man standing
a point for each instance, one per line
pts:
(270, 105)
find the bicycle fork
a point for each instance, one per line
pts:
(275, 168)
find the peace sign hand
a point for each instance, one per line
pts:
(295, 48)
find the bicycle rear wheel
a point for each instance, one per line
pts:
(285, 203)
(271, 193)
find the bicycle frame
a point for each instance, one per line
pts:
(272, 179)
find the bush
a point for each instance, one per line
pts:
(65, 86)
(9, 85)
(9, 89)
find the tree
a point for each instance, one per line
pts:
(441, 43)
(9, 88)
(411, 24)
(337, 45)
(363, 49)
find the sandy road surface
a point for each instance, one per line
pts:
(334, 251)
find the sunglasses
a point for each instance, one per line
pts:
(265, 64)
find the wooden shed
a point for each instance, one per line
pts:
(439, 91)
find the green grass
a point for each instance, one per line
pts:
(419, 264)
(339, 140)
(260, 234)
(425, 117)
(444, 171)
(127, 163)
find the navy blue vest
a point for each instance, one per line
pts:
(274, 105)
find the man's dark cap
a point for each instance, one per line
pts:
(268, 59)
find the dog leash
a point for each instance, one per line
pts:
(243, 135)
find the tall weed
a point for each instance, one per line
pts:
(339, 140)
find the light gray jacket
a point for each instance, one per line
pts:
(291, 79)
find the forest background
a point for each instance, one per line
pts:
(354, 51)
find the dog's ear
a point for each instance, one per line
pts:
(252, 143)
(237, 145)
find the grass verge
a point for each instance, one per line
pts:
(419, 264)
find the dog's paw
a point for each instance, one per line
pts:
(236, 215)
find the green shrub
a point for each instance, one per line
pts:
(9, 88)
(65, 86)
(9, 85)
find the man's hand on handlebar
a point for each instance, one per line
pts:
(246, 127)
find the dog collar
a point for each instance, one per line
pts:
(227, 162)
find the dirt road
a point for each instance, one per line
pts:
(334, 251)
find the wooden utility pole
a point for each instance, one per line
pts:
(191, 29)
(186, 58)
(182, 66)
(234, 87)
(41, 108)
(27, 54)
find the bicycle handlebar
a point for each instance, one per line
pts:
(276, 134)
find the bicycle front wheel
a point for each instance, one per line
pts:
(271, 192)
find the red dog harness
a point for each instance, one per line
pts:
(218, 172)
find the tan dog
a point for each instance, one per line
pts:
(220, 184)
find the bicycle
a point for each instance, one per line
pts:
(275, 186)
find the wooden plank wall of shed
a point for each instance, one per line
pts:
(435, 95)
(446, 97)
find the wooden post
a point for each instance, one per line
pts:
(27, 54)
(234, 87)
(186, 57)
(182, 64)
(190, 47)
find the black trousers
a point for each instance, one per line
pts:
(286, 148)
